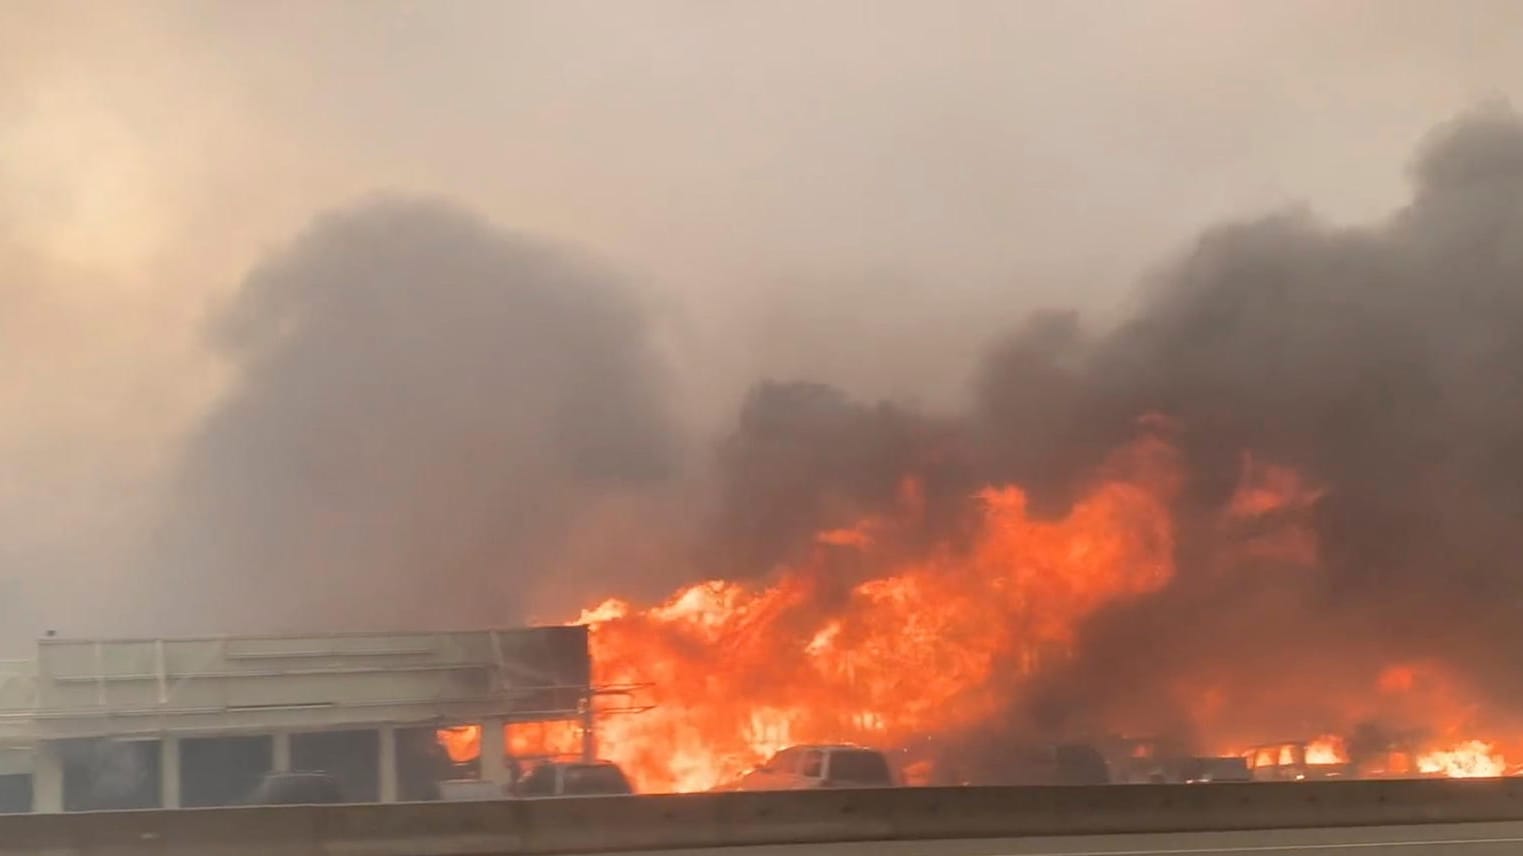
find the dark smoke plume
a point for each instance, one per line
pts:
(1385, 364)
(423, 406)
(804, 457)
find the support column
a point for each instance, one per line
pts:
(494, 767)
(169, 772)
(387, 757)
(589, 731)
(280, 758)
(47, 779)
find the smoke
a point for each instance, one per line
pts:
(424, 405)
(806, 457)
(1380, 362)
(1368, 373)
(432, 417)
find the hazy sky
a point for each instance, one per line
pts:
(860, 192)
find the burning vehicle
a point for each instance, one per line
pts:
(1322, 758)
(812, 767)
(1369, 755)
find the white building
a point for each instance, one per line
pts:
(140, 723)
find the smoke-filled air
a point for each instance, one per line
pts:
(947, 384)
(1281, 500)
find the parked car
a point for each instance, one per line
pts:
(808, 767)
(574, 779)
(1205, 770)
(1048, 764)
(470, 790)
(297, 788)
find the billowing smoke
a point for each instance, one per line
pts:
(1378, 362)
(423, 407)
(805, 457)
(426, 409)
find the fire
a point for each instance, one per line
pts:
(1327, 749)
(928, 645)
(1472, 759)
(543, 739)
(869, 641)
(461, 742)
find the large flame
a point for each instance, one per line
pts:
(924, 647)
(1327, 749)
(870, 642)
(1468, 760)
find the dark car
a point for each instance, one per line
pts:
(301, 788)
(574, 779)
(1060, 764)
(1204, 770)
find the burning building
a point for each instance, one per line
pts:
(119, 724)
(1278, 501)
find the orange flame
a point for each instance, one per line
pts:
(928, 646)
(543, 739)
(1472, 759)
(932, 644)
(461, 742)
(1327, 749)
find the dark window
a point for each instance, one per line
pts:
(104, 775)
(297, 789)
(539, 783)
(222, 770)
(813, 765)
(352, 758)
(860, 768)
(421, 763)
(15, 793)
(596, 779)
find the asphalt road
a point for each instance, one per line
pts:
(1480, 839)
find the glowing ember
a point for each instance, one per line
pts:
(1472, 759)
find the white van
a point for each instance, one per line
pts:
(808, 767)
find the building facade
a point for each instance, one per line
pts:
(168, 723)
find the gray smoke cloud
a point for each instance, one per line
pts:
(424, 405)
(1381, 362)
(427, 408)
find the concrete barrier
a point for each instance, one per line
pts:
(613, 824)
